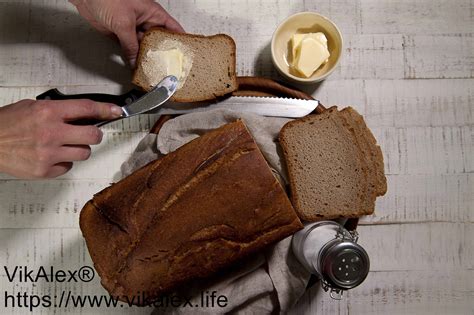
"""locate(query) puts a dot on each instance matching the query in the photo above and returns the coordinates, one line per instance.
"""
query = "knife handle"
(120, 100)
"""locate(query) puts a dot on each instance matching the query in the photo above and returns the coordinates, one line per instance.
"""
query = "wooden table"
(407, 66)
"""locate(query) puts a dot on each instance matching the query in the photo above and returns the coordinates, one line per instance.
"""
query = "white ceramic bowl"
(305, 22)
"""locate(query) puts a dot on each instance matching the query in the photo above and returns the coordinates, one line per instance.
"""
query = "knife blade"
(131, 105)
(264, 106)
(150, 101)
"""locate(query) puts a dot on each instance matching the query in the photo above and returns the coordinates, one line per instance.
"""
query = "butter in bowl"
(306, 47)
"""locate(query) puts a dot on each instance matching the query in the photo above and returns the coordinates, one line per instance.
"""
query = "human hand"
(36, 140)
(127, 19)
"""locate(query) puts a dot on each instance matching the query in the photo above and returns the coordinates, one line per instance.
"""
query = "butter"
(170, 61)
(169, 57)
(297, 38)
(310, 51)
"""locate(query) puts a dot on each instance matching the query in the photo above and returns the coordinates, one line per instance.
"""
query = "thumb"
(129, 41)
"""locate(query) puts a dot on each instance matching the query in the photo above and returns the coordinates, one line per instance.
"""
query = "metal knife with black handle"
(132, 103)
(120, 100)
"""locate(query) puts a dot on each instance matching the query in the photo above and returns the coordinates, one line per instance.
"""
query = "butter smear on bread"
(310, 52)
(172, 58)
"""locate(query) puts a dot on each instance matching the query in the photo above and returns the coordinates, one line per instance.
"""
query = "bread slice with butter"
(205, 65)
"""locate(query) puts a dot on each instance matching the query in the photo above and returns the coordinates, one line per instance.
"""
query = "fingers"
(70, 110)
(160, 17)
(62, 160)
(58, 169)
(173, 25)
(127, 36)
(80, 135)
(167, 21)
(70, 153)
(86, 14)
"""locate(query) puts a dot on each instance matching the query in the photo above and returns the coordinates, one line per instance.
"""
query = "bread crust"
(372, 182)
(374, 151)
(186, 216)
(177, 98)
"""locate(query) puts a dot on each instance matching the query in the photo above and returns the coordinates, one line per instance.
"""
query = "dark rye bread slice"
(325, 168)
(212, 73)
(185, 216)
(370, 149)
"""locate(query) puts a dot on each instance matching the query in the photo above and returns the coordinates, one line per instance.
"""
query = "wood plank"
(401, 292)
(65, 248)
(403, 103)
(416, 17)
(344, 12)
(41, 64)
(10, 95)
(45, 204)
(421, 246)
(371, 57)
(39, 51)
(425, 198)
(23, 21)
(339, 92)
(426, 150)
(439, 56)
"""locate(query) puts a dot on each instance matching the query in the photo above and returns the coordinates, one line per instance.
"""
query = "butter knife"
(131, 106)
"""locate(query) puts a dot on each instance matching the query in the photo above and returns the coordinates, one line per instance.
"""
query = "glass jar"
(329, 251)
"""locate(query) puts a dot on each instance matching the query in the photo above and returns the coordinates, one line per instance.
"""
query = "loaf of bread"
(186, 216)
(334, 165)
(208, 64)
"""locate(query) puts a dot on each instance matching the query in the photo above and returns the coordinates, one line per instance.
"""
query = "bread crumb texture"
(334, 165)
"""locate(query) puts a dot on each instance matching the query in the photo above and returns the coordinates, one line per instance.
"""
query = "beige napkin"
(271, 281)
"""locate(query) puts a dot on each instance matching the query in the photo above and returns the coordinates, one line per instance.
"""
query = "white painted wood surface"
(408, 66)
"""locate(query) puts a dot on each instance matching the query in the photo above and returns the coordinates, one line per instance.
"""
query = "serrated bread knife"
(264, 106)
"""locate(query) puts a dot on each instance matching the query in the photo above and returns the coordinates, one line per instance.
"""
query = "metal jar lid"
(344, 264)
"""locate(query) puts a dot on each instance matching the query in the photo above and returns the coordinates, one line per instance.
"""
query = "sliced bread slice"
(367, 200)
(370, 148)
(208, 64)
(325, 168)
